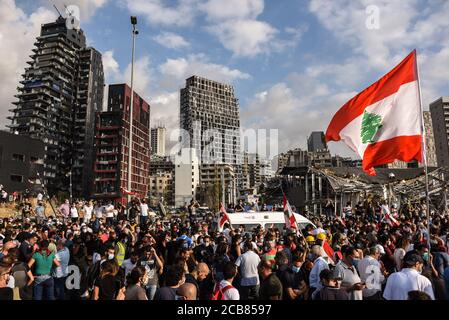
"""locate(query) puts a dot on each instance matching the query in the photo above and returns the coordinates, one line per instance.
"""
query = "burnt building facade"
(61, 90)
(112, 146)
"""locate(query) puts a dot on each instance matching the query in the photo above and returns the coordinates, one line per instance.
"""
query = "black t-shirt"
(328, 293)
(288, 278)
(6, 294)
(25, 252)
(191, 279)
(109, 286)
(270, 287)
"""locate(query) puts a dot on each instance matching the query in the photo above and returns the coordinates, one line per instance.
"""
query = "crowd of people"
(107, 251)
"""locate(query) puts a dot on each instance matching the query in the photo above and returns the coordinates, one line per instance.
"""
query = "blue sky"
(293, 62)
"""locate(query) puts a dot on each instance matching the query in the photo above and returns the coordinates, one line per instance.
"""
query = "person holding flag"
(223, 218)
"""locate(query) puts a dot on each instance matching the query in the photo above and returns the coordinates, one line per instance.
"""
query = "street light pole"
(130, 137)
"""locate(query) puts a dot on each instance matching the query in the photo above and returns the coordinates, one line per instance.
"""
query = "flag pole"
(424, 151)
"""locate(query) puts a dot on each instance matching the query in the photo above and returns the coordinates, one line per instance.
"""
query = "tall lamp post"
(130, 138)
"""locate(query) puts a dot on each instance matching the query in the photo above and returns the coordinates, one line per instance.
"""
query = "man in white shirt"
(248, 263)
(225, 285)
(109, 210)
(143, 213)
(129, 264)
(399, 284)
(319, 264)
(370, 273)
(88, 208)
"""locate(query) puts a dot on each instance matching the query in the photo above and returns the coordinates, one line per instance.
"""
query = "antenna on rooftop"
(59, 12)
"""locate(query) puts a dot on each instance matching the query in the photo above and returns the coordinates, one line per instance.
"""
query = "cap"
(380, 248)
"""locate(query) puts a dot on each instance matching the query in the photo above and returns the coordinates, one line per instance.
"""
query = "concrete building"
(162, 177)
(60, 92)
(187, 177)
(432, 160)
(161, 188)
(316, 141)
(21, 162)
(112, 146)
(158, 141)
(439, 110)
(211, 175)
(210, 114)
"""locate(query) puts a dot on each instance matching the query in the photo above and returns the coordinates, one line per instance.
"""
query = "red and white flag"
(383, 122)
(290, 220)
(126, 191)
(391, 220)
(329, 252)
(223, 218)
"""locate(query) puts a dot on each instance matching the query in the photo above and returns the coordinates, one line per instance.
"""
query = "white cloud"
(156, 12)
(110, 66)
(232, 9)
(18, 32)
(174, 71)
(404, 25)
(246, 38)
(171, 40)
(294, 110)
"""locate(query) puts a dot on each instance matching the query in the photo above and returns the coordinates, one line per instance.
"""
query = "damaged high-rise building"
(61, 91)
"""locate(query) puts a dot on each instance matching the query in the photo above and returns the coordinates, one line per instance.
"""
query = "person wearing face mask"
(293, 286)
(136, 283)
(347, 272)
(399, 284)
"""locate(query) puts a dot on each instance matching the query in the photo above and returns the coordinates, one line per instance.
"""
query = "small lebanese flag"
(126, 191)
(329, 252)
(389, 217)
(383, 122)
(224, 217)
(290, 220)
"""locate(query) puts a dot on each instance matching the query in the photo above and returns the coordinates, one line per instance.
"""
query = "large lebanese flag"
(383, 122)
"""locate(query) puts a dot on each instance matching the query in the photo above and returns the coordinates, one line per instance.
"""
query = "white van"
(265, 219)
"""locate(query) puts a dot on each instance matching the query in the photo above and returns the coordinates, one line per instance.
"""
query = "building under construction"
(112, 146)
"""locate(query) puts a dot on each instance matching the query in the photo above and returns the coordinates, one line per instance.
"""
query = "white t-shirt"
(144, 210)
(248, 263)
(398, 255)
(128, 266)
(369, 270)
(231, 293)
(88, 211)
(99, 212)
(110, 211)
(399, 284)
(39, 196)
(74, 212)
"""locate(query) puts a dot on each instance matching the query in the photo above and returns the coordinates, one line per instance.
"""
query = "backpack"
(218, 293)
